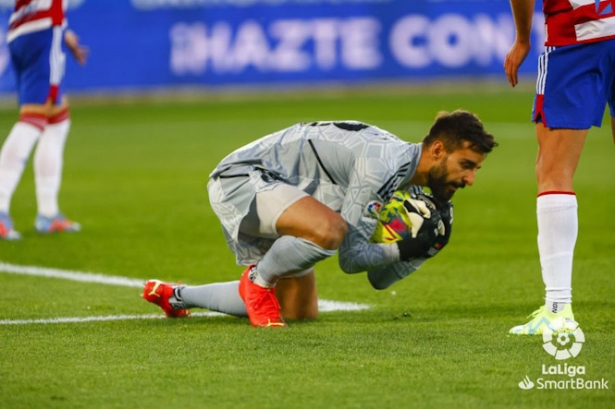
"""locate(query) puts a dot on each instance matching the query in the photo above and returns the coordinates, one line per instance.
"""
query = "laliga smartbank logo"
(563, 345)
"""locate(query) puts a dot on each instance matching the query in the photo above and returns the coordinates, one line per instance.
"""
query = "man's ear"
(437, 150)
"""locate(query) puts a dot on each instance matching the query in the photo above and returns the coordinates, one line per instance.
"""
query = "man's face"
(455, 170)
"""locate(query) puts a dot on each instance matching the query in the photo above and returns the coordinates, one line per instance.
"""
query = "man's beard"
(441, 188)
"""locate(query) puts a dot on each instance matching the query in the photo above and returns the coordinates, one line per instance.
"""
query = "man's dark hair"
(454, 128)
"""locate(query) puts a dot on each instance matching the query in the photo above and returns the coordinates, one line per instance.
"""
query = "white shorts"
(249, 205)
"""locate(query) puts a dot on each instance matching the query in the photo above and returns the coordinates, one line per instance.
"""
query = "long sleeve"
(357, 254)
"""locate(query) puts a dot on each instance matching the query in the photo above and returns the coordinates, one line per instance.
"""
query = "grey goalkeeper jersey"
(347, 165)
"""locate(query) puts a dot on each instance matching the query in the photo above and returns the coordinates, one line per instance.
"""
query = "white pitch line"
(70, 275)
(87, 277)
(71, 320)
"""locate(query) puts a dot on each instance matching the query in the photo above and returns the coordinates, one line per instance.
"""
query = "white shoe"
(542, 318)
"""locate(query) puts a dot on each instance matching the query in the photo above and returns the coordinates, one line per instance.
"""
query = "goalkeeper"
(295, 197)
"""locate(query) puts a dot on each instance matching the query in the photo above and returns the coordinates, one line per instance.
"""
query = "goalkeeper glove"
(444, 231)
(427, 225)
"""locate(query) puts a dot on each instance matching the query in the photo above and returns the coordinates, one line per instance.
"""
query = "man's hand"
(77, 50)
(444, 231)
(424, 234)
(514, 58)
(435, 231)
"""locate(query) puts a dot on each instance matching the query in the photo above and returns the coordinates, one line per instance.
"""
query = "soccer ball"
(395, 222)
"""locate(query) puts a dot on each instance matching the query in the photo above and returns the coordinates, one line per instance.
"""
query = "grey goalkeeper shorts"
(248, 203)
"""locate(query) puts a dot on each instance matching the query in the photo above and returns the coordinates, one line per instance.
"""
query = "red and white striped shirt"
(578, 21)
(35, 15)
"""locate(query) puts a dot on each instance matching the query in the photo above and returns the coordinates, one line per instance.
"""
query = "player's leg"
(49, 155)
(13, 158)
(297, 296)
(308, 232)
(230, 199)
(235, 202)
(48, 163)
(564, 109)
(558, 156)
(30, 59)
(559, 151)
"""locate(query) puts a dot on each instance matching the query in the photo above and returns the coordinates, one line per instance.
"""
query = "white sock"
(13, 159)
(48, 161)
(557, 234)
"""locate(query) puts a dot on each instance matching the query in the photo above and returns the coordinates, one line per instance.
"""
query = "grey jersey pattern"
(344, 164)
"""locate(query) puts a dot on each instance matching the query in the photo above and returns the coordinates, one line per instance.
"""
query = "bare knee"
(313, 221)
(559, 151)
(47, 109)
(330, 232)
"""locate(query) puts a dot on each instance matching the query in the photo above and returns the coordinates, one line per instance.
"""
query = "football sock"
(288, 255)
(556, 307)
(48, 165)
(220, 297)
(557, 235)
(176, 301)
(14, 155)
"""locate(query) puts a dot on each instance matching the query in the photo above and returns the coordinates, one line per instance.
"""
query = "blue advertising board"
(140, 44)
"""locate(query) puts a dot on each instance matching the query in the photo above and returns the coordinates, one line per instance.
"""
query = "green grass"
(135, 177)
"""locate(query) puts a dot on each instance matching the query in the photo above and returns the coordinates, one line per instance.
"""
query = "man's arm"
(357, 253)
(385, 277)
(523, 13)
(381, 261)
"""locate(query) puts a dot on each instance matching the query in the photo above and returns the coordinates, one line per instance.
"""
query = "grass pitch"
(135, 177)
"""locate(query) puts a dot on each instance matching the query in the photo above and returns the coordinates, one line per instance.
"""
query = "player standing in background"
(576, 80)
(37, 36)
(293, 198)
